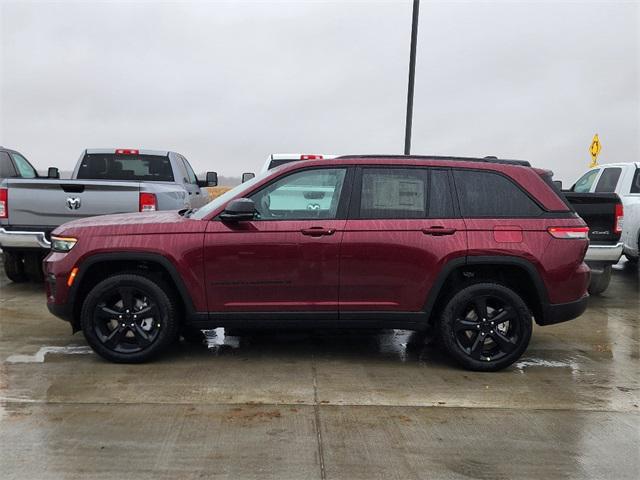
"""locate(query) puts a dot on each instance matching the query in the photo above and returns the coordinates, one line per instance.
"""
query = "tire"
(33, 266)
(600, 281)
(13, 267)
(110, 323)
(482, 345)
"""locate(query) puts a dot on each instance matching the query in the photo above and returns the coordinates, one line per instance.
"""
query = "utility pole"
(412, 74)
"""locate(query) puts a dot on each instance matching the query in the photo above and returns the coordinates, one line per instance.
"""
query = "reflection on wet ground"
(353, 404)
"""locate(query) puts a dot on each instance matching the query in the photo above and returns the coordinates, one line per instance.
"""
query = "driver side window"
(302, 195)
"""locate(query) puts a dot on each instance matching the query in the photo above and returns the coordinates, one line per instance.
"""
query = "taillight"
(127, 151)
(617, 228)
(569, 232)
(4, 203)
(311, 157)
(148, 202)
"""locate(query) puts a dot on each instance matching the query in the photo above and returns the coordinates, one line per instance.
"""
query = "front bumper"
(23, 239)
(563, 312)
(604, 253)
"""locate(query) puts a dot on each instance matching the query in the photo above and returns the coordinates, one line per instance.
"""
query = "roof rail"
(489, 159)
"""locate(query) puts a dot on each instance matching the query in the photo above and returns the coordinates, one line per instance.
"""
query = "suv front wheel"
(129, 318)
(485, 326)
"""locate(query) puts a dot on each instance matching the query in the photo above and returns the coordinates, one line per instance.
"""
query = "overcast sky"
(227, 83)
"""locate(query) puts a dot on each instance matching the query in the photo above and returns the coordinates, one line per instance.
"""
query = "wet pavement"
(324, 405)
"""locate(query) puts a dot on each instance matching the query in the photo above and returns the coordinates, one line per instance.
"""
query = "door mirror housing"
(238, 210)
(558, 183)
(212, 179)
(246, 176)
(53, 172)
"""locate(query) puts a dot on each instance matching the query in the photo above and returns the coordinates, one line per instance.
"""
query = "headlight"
(62, 244)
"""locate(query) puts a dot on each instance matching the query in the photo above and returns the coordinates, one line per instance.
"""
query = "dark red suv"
(476, 248)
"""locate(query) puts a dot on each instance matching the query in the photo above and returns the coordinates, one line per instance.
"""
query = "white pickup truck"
(623, 179)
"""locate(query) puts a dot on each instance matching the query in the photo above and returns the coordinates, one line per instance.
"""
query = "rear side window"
(6, 167)
(393, 193)
(488, 194)
(24, 168)
(608, 180)
(440, 195)
(108, 166)
(635, 184)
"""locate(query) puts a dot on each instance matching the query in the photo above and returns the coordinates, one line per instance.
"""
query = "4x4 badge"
(73, 203)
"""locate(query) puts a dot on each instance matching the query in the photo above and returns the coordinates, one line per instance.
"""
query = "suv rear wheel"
(485, 326)
(129, 318)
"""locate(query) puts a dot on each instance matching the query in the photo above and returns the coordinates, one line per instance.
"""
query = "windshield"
(225, 197)
(109, 166)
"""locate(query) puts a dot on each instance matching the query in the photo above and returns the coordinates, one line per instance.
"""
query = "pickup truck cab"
(624, 180)
(104, 181)
(477, 249)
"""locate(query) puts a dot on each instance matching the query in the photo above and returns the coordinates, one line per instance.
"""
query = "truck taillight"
(617, 228)
(148, 202)
(4, 203)
(569, 232)
(310, 157)
(127, 151)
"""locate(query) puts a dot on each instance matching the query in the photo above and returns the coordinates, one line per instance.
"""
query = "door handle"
(437, 231)
(317, 231)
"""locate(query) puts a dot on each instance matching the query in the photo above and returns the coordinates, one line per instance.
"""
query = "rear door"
(402, 228)
(286, 259)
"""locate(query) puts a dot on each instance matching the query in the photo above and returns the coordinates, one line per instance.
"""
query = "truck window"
(109, 166)
(6, 167)
(609, 179)
(190, 173)
(25, 169)
(487, 194)
(635, 184)
(583, 185)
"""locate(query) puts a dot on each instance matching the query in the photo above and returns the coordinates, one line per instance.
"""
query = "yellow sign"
(594, 150)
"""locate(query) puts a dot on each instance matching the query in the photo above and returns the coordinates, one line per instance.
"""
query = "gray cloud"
(228, 83)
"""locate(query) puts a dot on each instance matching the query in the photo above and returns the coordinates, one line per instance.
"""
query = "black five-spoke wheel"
(486, 326)
(128, 318)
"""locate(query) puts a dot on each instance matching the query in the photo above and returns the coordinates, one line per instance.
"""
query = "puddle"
(539, 362)
(39, 356)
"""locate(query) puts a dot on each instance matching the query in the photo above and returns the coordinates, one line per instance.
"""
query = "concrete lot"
(335, 406)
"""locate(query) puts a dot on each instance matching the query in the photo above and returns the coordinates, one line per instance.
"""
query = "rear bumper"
(23, 239)
(562, 312)
(604, 253)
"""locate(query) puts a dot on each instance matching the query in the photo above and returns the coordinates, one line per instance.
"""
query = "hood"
(130, 224)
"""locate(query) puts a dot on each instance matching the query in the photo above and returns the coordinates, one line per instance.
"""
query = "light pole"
(412, 74)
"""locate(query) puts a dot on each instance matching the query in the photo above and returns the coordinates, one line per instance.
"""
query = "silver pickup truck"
(104, 181)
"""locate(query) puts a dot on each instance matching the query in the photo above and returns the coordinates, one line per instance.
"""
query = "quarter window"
(487, 194)
(608, 180)
(302, 195)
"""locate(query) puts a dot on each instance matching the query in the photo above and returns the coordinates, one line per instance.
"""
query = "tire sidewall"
(463, 296)
(165, 308)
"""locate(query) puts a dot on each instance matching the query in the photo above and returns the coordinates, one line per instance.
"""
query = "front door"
(286, 259)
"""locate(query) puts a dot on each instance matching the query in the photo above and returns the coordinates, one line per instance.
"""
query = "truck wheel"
(485, 326)
(129, 318)
(33, 266)
(13, 267)
(600, 281)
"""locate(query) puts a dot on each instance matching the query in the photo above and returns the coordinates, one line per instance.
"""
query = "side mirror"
(212, 179)
(53, 172)
(247, 176)
(239, 209)
(558, 183)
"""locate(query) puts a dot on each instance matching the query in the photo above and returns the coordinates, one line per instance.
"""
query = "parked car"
(603, 213)
(104, 181)
(623, 179)
(475, 248)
